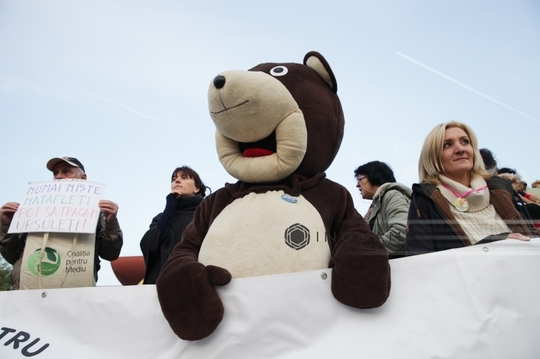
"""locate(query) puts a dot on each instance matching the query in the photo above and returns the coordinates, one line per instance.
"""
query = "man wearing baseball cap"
(109, 237)
(71, 161)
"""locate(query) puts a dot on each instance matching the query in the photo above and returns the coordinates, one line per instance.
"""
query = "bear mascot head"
(278, 128)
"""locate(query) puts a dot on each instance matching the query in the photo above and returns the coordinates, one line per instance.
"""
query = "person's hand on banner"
(7, 211)
(518, 236)
(109, 208)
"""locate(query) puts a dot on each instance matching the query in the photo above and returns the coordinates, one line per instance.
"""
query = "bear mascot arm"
(278, 128)
(359, 262)
(185, 286)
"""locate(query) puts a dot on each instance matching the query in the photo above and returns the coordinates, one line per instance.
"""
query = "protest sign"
(68, 206)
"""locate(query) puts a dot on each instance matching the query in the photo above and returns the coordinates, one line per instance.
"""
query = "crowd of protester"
(462, 198)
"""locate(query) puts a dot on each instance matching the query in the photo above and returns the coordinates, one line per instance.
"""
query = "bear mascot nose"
(219, 81)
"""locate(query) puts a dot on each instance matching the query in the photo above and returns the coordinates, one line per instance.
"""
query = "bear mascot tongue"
(278, 128)
(256, 152)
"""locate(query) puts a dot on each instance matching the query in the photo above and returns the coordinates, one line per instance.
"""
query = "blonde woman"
(458, 203)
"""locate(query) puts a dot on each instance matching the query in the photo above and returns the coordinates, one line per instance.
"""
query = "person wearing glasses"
(387, 214)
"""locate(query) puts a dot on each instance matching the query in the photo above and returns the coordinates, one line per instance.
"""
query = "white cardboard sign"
(68, 206)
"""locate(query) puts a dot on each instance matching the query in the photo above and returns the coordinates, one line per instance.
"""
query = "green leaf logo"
(45, 266)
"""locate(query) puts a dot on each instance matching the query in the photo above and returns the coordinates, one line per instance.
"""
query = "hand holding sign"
(7, 211)
(109, 208)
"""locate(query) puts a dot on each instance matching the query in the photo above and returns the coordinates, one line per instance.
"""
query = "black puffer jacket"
(432, 227)
(165, 232)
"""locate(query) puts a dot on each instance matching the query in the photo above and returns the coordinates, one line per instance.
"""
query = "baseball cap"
(69, 160)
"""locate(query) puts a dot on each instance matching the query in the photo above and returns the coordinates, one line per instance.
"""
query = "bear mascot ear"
(319, 64)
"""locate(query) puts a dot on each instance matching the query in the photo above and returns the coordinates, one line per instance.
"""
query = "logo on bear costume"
(297, 236)
(45, 266)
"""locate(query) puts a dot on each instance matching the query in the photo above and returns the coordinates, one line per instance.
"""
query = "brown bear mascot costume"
(279, 127)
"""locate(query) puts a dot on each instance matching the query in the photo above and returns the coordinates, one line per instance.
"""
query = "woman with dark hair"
(457, 202)
(387, 215)
(187, 192)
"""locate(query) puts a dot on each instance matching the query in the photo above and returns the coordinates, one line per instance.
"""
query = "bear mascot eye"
(279, 71)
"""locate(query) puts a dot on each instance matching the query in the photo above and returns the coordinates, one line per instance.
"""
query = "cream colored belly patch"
(267, 233)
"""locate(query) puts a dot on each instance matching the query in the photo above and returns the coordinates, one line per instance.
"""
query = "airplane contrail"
(82, 90)
(465, 86)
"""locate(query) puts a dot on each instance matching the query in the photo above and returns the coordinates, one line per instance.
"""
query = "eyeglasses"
(360, 178)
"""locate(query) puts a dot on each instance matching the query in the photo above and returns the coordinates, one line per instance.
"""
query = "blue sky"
(121, 85)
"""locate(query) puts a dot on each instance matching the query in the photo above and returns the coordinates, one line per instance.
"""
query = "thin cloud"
(467, 87)
(82, 90)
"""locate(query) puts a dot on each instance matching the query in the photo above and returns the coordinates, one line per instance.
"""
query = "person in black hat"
(66, 167)
(109, 237)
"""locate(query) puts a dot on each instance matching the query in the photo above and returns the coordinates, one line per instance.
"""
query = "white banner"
(475, 302)
(59, 206)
